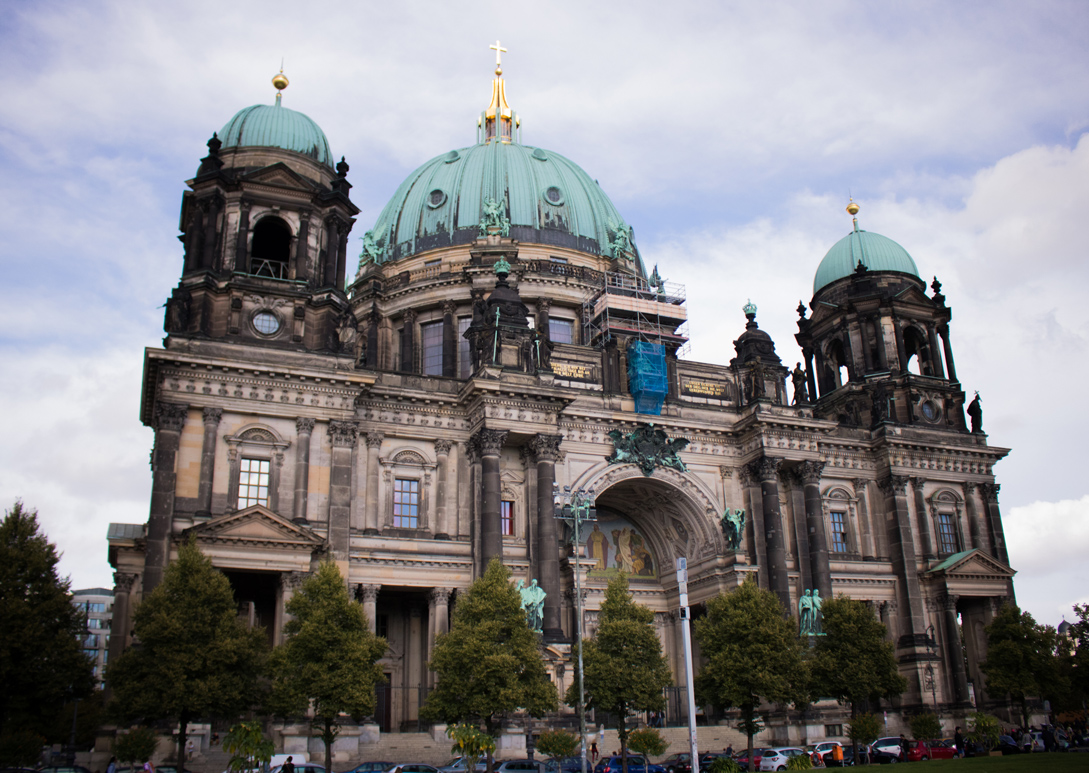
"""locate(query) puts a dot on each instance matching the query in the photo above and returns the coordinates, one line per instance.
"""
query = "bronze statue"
(975, 413)
(801, 391)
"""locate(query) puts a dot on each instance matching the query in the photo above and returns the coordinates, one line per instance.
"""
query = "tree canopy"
(41, 661)
(329, 658)
(753, 653)
(624, 671)
(489, 664)
(1021, 658)
(193, 658)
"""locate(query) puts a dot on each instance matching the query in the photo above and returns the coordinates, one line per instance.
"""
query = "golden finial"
(279, 80)
(852, 210)
(499, 51)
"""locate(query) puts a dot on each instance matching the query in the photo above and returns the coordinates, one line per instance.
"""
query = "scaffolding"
(630, 308)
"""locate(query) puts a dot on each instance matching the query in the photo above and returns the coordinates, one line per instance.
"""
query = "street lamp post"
(575, 508)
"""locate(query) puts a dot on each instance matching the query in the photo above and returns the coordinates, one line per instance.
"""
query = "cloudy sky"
(729, 134)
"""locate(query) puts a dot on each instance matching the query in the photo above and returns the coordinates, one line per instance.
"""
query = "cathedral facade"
(500, 346)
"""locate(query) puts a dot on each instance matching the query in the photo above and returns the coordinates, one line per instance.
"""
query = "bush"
(925, 726)
(984, 729)
(801, 762)
(648, 741)
(470, 742)
(21, 748)
(557, 744)
(137, 745)
(865, 728)
(248, 747)
(724, 765)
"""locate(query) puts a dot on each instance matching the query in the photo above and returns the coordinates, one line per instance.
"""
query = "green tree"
(248, 747)
(984, 729)
(864, 728)
(135, 746)
(193, 658)
(489, 664)
(753, 653)
(1078, 656)
(647, 741)
(329, 659)
(624, 670)
(41, 661)
(470, 743)
(925, 726)
(557, 744)
(1021, 658)
(854, 662)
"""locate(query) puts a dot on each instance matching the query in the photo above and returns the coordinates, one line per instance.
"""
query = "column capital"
(491, 441)
(449, 307)
(374, 439)
(212, 415)
(745, 476)
(292, 580)
(123, 582)
(304, 425)
(409, 316)
(917, 482)
(547, 447)
(725, 471)
(811, 470)
(894, 485)
(766, 468)
(367, 593)
(860, 485)
(440, 596)
(170, 416)
(990, 491)
(970, 488)
(343, 433)
(949, 602)
(443, 446)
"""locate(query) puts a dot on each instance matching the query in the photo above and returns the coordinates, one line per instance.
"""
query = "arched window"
(271, 248)
(917, 352)
(837, 361)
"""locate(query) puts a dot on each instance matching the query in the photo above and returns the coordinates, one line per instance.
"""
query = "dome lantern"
(498, 121)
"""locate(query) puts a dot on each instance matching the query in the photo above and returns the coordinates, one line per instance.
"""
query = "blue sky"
(728, 134)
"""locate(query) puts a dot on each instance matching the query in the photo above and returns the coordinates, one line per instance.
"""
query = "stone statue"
(733, 527)
(815, 613)
(975, 413)
(805, 614)
(371, 253)
(493, 217)
(533, 597)
(801, 391)
(620, 246)
(649, 447)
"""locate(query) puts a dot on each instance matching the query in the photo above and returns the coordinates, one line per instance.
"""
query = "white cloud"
(1048, 543)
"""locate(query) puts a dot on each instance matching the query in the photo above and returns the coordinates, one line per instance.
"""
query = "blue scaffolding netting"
(647, 380)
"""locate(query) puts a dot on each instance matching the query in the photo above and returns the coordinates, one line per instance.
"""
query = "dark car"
(568, 765)
(1007, 745)
(681, 762)
(520, 766)
(637, 763)
(371, 767)
(413, 767)
(63, 769)
(743, 757)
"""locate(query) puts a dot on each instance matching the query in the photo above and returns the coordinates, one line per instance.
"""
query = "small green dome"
(874, 251)
(546, 198)
(273, 126)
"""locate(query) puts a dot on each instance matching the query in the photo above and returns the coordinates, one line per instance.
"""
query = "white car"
(824, 749)
(777, 758)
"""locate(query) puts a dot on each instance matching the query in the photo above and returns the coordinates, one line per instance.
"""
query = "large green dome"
(273, 126)
(874, 251)
(547, 198)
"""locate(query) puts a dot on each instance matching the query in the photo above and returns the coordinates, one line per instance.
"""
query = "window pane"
(947, 534)
(406, 503)
(431, 333)
(253, 481)
(465, 361)
(839, 533)
(561, 331)
(506, 514)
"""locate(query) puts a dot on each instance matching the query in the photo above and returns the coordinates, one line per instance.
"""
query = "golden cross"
(499, 51)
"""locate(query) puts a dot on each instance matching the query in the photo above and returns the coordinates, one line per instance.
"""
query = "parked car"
(743, 757)
(458, 765)
(1007, 744)
(63, 769)
(890, 744)
(413, 767)
(681, 762)
(568, 765)
(371, 767)
(864, 754)
(777, 758)
(520, 766)
(637, 763)
(301, 767)
(824, 749)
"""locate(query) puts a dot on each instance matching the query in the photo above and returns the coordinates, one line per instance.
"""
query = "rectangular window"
(561, 331)
(465, 360)
(506, 515)
(436, 263)
(839, 533)
(947, 533)
(406, 503)
(382, 626)
(431, 333)
(253, 483)
(554, 259)
(832, 731)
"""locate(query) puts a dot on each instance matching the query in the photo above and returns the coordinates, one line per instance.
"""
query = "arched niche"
(270, 250)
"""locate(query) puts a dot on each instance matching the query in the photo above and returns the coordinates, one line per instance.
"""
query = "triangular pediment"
(256, 525)
(971, 563)
(280, 175)
(914, 295)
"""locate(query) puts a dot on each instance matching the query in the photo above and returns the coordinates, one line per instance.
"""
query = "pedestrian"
(593, 752)
(730, 750)
(958, 741)
(189, 750)
(288, 766)
(818, 760)
(148, 767)
(112, 766)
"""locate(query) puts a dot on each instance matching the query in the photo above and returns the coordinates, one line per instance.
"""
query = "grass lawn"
(1013, 763)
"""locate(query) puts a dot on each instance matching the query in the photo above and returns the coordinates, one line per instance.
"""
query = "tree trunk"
(622, 732)
(183, 731)
(327, 739)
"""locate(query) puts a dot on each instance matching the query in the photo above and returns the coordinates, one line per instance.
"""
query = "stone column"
(994, 522)
(438, 622)
(766, 471)
(169, 420)
(491, 527)
(304, 427)
(342, 254)
(935, 352)
(302, 247)
(547, 449)
(442, 525)
(241, 248)
(373, 322)
(868, 546)
(902, 549)
(943, 331)
(449, 340)
(814, 521)
(332, 249)
(954, 660)
(121, 624)
(809, 375)
(289, 584)
(371, 517)
(208, 253)
(926, 532)
(972, 513)
(408, 339)
(369, 596)
(879, 343)
(414, 662)
(212, 417)
(901, 348)
(342, 435)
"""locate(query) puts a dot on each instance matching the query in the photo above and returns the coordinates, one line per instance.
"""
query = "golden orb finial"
(279, 80)
(852, 208)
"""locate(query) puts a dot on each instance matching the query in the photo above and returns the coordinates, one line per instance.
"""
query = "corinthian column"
(370, 517)
(169, 420)
(342, 434)
(442, 453)
(814, 521)
(491, 527)
(304, 427)
(212, 417)
(766, 470)
(547, 449)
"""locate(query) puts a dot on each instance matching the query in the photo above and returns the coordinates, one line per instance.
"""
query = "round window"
(266, 323)
(930, 411)
(554, 195)
(436, 198)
